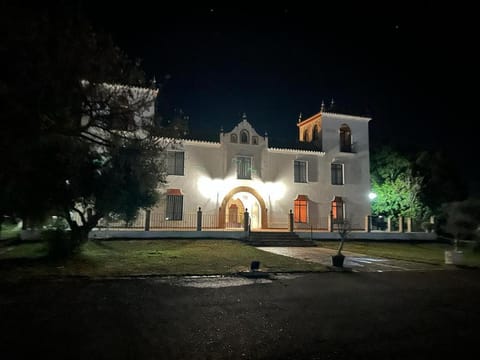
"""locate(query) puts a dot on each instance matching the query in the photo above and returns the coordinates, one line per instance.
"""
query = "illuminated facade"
(326, 172)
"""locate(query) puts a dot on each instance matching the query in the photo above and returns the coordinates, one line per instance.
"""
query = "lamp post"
(369, 222)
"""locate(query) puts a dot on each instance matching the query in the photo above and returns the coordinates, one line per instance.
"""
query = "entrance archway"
(262, 212)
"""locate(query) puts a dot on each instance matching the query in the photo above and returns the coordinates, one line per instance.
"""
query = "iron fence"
(211, 221)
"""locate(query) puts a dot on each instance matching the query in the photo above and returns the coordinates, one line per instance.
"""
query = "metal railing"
(198, 220)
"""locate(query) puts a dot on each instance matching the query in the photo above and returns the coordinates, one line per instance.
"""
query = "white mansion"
(327, 173)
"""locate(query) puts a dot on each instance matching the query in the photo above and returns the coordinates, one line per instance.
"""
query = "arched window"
(345, 139)
(315, 133)
(300, 209)
(305, 136)
(244, 137)
(233, 138)
(337, 209)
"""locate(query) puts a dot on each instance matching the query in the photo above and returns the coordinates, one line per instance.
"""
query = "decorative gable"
(243, 134)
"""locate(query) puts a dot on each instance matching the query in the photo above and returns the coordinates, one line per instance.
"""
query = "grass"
(431, 253)
(9, 231)
(23, 260)
(145, 257)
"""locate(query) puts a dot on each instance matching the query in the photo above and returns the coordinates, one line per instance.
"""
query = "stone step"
(281, 243)
(277, 239)
(273, 235)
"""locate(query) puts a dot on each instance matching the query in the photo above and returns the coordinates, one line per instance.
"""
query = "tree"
(442, 180)
(344, 229)
(462, 219)
(397, 185)
(72, 145)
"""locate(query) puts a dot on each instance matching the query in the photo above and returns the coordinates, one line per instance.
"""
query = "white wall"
(210, 173)
(356, 164)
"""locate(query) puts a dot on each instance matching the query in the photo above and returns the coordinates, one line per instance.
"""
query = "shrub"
(428, 226)
(56, 223)
(476, 246)
(59, 243)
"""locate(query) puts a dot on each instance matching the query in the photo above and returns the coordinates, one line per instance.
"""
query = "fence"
(399, 224)
(199, 220)
(138, 223)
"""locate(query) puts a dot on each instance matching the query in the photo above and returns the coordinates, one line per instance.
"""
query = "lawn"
(9, 231)
(431, 253)
(145, 257)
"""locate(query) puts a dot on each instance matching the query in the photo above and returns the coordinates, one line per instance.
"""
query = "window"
(337, 174)
(233, 138)
(244, 167)
(255, 140)
(300, 171)
(300, 209)
(305, 135)
(337, 209)
(345, 139)
(175, 162)
(174, 209)
(244, 138)
(315, 133)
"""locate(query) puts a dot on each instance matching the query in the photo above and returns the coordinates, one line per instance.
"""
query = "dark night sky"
(405, 64)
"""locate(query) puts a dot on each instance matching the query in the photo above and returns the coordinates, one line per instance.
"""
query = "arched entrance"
(235, 203)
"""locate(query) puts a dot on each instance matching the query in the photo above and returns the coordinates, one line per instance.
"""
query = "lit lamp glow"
(372, 195)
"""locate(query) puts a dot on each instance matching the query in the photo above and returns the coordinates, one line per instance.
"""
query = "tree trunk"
(79, 233)
(340, 247)
(78, 237)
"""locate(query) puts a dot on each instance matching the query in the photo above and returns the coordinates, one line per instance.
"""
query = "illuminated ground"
(353, 261)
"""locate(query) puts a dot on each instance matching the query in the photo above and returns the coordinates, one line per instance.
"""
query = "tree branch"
(82, 216)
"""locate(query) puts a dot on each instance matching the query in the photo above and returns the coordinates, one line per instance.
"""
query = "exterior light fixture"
(255, 265)
(372, 195)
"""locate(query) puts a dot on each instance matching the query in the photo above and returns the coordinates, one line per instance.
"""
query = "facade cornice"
(289, 151)
(351, 117)
(124, 86)
(200, 142)
(332, 114)
(310, 119)
(189, 141)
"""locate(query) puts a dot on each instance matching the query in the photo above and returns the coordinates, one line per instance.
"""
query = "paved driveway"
(355, 262)
(395, 315)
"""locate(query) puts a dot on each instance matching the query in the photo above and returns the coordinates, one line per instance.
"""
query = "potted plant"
(343, 229)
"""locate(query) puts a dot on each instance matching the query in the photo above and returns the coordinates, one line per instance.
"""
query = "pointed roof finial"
(300, 117)
(153, 83)
(244, 117)
(322, 107)
(332, 104)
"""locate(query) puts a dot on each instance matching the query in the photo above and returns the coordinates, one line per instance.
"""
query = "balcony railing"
(348, 148)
